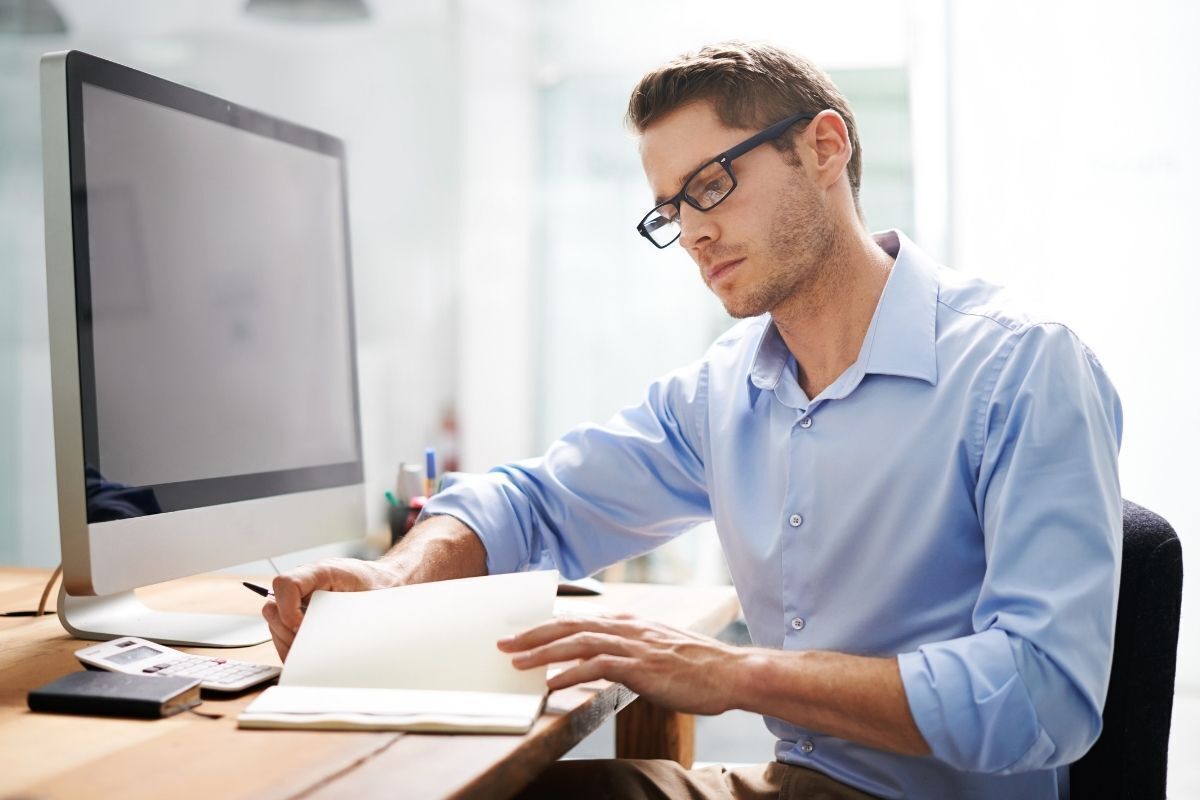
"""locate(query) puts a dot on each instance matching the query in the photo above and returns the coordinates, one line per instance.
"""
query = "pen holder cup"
(402, 518)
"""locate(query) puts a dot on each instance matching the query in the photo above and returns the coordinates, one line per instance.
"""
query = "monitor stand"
(106, 617)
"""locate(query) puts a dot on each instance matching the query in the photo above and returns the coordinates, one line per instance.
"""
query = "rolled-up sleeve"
(1026, 690)
(601, 494)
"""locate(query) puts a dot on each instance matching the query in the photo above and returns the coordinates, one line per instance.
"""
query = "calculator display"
(136, 654)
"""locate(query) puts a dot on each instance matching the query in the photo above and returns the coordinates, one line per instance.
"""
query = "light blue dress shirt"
(951, 499)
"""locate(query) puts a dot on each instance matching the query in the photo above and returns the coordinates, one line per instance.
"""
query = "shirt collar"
(901, 338)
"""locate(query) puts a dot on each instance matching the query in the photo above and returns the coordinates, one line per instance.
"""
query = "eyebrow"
(660, 199)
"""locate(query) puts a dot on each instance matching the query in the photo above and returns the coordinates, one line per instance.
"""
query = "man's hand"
(675, 669)
(437, 549)
(284, 613)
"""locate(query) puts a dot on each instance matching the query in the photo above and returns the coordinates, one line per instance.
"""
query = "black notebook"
(115, 694)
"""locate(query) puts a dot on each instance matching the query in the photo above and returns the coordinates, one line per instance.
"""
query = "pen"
(430, 470)
(254, 587)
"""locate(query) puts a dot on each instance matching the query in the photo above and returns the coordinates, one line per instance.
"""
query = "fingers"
(286, 611)
(281, 635)
(578, 645)
(293, 588)
(612, 668)
(623, 626)
(673, 668)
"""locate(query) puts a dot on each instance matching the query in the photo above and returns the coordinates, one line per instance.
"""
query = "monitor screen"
(218, 331)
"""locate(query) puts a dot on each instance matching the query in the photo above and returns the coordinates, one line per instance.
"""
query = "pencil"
(260, 590)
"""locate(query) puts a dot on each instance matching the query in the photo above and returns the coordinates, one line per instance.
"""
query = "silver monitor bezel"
(102, 558)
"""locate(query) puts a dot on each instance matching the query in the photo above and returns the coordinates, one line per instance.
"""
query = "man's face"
(771, 236)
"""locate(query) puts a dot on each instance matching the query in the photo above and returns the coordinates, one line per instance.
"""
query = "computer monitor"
(202, 349)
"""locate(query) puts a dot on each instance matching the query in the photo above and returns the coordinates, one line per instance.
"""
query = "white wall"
(497, 208)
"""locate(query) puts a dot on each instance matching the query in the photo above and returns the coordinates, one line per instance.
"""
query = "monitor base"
(104, 617)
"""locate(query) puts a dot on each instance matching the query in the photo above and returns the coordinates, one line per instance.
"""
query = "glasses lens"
(662, 224)
(709, 186)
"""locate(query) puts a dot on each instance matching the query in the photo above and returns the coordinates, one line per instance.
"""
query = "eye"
(710, 186)
(713, 190)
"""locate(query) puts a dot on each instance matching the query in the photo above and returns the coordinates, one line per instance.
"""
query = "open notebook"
(412, 658)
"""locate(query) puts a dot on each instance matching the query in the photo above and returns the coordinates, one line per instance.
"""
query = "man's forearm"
(851, 697)
(437, 549)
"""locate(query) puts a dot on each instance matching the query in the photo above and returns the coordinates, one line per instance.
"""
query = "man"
(915, 486)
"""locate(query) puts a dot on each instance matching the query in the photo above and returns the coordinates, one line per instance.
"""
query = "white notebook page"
(429, 636)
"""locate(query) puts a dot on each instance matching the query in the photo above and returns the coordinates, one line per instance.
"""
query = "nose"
(696, 228)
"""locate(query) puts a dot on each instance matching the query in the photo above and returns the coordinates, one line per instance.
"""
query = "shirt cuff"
(480, 503)
(971, 705)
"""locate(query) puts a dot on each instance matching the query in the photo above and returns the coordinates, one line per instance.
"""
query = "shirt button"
(795, 520)
(807, 746)
(798, 623)
(806, 422)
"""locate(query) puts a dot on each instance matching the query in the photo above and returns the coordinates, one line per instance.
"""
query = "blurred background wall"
(502, 293)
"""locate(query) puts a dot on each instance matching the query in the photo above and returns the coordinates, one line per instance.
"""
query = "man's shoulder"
(975, 301)
(966, 301)
(993, 322)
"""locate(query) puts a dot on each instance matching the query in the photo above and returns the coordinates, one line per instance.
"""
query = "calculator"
(135, 656)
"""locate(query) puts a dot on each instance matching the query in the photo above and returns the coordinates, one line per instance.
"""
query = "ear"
(829, 141)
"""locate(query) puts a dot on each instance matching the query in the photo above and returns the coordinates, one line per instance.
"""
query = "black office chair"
(1129, 760)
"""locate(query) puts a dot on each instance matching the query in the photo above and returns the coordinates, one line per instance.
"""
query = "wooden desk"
(61, 756)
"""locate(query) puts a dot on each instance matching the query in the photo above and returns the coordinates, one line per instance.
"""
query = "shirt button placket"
(798, 624)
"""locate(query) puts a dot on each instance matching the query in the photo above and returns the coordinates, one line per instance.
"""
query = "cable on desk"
(49, 585)
(41, 609)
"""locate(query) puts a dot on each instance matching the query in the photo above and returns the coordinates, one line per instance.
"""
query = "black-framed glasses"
(707, 187)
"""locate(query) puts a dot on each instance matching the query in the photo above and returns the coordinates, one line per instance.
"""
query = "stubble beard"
(800, 252)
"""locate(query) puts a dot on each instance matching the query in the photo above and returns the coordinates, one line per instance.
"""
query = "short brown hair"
(750, 86)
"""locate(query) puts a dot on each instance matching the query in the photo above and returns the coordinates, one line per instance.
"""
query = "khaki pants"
(637, 779)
